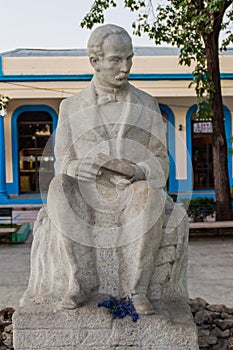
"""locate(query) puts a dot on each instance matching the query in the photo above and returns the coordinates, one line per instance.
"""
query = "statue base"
(90, 327)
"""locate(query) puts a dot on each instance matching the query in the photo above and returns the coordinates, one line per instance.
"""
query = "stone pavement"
(14, 263)
(210, 268)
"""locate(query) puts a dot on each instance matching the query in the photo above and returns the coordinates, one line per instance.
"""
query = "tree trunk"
(220, 161)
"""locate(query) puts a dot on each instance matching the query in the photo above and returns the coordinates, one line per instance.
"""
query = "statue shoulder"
(68, 104)
(148, 100)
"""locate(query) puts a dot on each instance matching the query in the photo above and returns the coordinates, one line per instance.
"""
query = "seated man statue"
(106, 203)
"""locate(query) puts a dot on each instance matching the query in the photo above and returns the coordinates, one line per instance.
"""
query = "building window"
(34, 131)
(202, 153)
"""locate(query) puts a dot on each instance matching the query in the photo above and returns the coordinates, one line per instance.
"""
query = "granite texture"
(89, 327)
(109, 227)
(169, 277)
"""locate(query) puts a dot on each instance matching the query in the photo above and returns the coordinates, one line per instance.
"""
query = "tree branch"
(227, 4)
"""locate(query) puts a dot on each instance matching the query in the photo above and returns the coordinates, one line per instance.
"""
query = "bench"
(211, 225)
(6, 216)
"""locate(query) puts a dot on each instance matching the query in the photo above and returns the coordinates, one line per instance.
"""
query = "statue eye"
(115, 59)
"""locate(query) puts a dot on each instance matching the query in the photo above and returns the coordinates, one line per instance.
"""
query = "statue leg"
(75, 295)
(65, 206)
(136, 259)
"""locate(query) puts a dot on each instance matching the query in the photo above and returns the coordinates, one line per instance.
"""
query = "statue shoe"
(142, 305)
(73, 299)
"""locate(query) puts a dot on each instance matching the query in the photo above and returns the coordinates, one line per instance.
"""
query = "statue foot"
(142, 305)
(73, 299)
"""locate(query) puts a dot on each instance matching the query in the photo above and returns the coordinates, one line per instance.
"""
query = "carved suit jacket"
(139, 135)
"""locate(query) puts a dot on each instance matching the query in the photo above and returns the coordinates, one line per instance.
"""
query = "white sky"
(54, 24)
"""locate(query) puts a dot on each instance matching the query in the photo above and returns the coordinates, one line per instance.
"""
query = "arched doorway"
(34, 130)
(199, 146)
(32, 127)
(202, 153)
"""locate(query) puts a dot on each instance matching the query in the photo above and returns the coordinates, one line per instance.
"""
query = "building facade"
(36, 82)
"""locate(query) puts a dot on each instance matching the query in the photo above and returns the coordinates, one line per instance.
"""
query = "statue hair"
(98, 36)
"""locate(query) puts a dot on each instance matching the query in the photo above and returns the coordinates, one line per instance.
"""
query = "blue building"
(36, 82)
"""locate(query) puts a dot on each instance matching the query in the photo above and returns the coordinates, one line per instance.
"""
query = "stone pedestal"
(38, 326)
(90, 327)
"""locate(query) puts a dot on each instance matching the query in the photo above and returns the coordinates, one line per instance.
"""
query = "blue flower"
(120, 308)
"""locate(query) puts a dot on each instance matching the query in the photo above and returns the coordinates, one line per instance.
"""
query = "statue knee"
(140, 188)
(140, 185)
(56, 187)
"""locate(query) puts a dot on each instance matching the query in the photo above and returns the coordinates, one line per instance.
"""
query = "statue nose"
(125, 66)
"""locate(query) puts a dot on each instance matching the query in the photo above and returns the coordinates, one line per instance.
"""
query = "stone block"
(169, 237)
(166, 255)
(89, 327)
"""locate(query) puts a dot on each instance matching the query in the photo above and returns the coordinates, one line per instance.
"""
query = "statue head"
(110, 52)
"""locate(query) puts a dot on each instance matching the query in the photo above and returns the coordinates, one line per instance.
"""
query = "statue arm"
(156, 165)
(64, 150)
(69, 148)
(158, 146)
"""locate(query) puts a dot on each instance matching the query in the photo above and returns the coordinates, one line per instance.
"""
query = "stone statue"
(109, 226)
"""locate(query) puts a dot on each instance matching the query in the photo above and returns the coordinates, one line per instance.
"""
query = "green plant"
(199, 208)
(3, 101)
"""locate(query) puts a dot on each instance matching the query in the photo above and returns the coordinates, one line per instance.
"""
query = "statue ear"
(94, 62)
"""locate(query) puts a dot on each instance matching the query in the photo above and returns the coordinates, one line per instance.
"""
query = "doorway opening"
(34, 133)
(202, 153)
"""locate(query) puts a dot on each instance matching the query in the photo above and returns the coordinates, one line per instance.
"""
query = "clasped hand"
(85, 170)
(89, 168)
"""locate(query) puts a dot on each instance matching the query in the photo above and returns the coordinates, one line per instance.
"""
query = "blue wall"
(183, 187)
(174, 185)
(13, 188)
(172, 182)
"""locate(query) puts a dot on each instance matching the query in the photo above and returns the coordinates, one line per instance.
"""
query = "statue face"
(114, 67)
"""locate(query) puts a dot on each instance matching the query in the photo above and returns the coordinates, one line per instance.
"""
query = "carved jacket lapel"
(132, 113)
(90, 111)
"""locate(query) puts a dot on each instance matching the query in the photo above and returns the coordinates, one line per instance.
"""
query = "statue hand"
(120, 184)
(138, 175)
(72, 169)
(88, 169)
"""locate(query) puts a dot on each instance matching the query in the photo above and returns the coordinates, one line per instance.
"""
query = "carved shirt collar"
(106, 94)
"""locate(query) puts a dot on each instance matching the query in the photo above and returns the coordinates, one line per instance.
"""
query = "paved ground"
(14, 264)
(210, 268)
(210, 272)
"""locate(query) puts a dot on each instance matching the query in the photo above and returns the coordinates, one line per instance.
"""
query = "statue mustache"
(121, 76)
